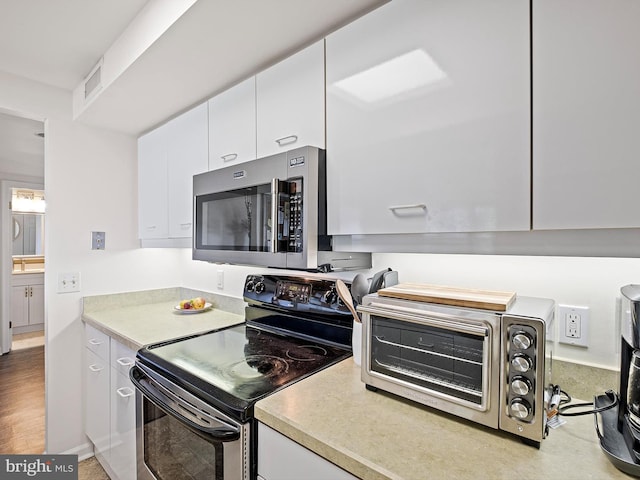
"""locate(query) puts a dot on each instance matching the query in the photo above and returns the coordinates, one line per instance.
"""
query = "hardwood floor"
(22, 401)
(22, 422)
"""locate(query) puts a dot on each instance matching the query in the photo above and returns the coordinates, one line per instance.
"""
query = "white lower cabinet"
(110, 415)
(280, 458)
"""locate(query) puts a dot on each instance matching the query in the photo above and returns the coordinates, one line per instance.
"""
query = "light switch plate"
(97, 240)
(68, 282)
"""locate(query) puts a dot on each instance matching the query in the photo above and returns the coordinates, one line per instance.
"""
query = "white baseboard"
(83, 451)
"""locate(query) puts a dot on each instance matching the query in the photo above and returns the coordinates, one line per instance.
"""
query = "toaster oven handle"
(275, 197)
(436, 319)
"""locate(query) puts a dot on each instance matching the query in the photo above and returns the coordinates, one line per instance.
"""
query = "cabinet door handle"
(95, 368)
(412, 206)
(26, 292)
(31, 291)
(125, 392)
(125, 361)
(184, 225)
(229, 157)
(287, 140)
(150, 227)
(95, 342)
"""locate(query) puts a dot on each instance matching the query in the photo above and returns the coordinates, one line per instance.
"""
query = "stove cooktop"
(233, 368)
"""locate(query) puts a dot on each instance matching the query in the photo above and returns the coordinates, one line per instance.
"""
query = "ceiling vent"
(93, 81)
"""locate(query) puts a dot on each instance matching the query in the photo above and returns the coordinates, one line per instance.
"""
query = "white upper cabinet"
(168, 157)
(232, 125)
(428, 119)
(586, 114)
(153, 221)
(187, 155)
(291, 103)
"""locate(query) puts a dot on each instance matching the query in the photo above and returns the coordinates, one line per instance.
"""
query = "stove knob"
(522, 340)
(521, 363)
(250, 286)
(520, 385)
(520, 408)
(259, 288)
(330, 296)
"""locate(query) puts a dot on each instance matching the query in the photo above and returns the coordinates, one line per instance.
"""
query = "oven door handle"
(222, 434)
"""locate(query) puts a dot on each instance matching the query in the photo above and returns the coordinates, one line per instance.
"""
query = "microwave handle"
(275, 197)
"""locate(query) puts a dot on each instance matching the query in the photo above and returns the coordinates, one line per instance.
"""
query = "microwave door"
(236, 226)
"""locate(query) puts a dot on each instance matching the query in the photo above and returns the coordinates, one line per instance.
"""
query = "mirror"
(28, 234)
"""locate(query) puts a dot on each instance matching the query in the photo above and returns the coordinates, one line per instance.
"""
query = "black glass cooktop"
(234, 367)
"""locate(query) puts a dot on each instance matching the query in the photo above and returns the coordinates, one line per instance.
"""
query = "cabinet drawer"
(97, 342)
(122, 357)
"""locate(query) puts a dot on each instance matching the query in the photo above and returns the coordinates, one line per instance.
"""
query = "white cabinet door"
(586, 114)
(291, 102)
(19, 306)
(36, 304)
(280, 458)
(187, 155)
(123, 426)
(153, 221)
(232, 125)
(97, 425)
(428, 114)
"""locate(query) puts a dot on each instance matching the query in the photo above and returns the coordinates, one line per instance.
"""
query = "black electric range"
(294, 326)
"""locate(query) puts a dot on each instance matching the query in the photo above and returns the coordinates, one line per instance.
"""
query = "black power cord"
(565, 398)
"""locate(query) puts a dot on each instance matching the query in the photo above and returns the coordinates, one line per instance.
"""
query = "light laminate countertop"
(152, 317)
(375, 435)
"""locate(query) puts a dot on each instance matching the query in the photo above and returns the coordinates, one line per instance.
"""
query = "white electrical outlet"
(573, 325)
(68, 282)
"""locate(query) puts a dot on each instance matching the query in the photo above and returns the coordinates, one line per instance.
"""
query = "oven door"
(446, 358)
(180, 437)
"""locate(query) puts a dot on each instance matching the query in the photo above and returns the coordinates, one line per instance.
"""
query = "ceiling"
(215, 44)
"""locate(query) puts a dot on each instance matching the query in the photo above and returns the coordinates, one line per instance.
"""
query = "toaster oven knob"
(520, 386)
(521, 363)
(250, 286)
(521, 341)
(520, 408)
(259, 288)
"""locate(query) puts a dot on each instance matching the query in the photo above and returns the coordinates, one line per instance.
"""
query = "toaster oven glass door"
(452, 360)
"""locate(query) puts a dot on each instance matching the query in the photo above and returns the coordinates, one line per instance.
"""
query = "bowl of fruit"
(193, 305)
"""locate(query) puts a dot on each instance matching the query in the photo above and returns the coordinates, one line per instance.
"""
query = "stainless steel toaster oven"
(489, 367)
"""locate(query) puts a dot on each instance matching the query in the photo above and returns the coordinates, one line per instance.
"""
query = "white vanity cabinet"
(428, 119)
(27, 302)
(168, 157)
(110, 416)
(232, 125)
(291, 102)
(280, 458)
(586, 114)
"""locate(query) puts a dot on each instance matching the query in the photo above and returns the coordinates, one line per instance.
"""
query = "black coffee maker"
(619, 429)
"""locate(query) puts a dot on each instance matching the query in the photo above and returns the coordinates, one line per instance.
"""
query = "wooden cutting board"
(460, 297)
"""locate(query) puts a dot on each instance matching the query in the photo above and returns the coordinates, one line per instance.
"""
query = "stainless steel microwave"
(270, 212)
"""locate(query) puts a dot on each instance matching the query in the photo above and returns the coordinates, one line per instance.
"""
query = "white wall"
(578, 281)
(590, 282)
(90, 184)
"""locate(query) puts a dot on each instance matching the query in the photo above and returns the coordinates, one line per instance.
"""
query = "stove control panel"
(294, 293)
